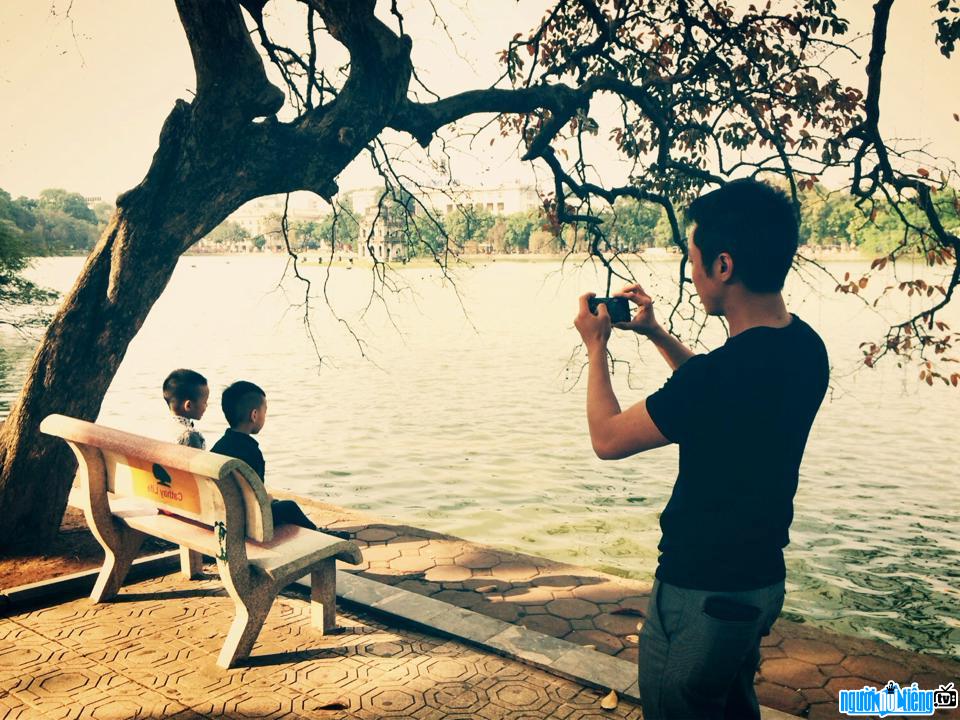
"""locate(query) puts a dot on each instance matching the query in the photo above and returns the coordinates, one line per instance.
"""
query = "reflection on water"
(468, 425)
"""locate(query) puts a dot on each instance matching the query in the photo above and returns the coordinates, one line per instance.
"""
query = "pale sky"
(85, 112)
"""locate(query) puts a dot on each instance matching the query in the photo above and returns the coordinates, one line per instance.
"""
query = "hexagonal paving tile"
(448, 573)
(448, 669)
(567, 582)
(547, 624)
(381, 553)
(64, 684)
(603, 592)
(835, 685)
(415, 564)
(792, 673)
(529, 595)
(812, 651)
(780, 698)
(392, 701)
(619, 625)
(517, 696)
(376, 534)
(513, 571)
(14, 658)
(448, 549)
(260, 706)
(508, 612)
(875, 668)
(474, 559)
(572, 608)
(456, 697)
(772, 639)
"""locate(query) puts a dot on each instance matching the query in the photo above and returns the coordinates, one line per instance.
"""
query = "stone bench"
(132, 486)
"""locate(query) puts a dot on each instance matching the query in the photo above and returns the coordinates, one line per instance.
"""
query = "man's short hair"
(239, 400)
(182, 385)
(755, 223)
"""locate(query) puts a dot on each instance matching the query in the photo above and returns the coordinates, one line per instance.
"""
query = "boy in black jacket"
(245, 407)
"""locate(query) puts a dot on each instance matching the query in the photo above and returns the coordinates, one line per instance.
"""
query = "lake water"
(463, 415)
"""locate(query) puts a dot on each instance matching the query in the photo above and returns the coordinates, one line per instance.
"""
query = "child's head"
(245, 407)
(186, 393)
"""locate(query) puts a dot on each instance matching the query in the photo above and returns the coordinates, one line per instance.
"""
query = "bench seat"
(292, 549)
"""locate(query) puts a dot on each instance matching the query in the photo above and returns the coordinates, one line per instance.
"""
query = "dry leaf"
(486, 588)
(609, 702)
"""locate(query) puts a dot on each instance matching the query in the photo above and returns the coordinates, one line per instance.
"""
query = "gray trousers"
(700, 649)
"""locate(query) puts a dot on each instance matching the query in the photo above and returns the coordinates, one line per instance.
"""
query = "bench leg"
(191, 563)
(250, 616)
(116, 564)
(323, 597)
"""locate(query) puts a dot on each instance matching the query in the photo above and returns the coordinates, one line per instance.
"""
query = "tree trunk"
(212, 157)
(77, 360)
(177, 203)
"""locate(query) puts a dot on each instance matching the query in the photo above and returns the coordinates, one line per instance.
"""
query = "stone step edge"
(74, 585)
(553, 655)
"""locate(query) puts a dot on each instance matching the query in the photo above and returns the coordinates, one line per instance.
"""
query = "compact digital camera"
(618, 307)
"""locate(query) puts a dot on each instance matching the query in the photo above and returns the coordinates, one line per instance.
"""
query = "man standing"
(741, 415)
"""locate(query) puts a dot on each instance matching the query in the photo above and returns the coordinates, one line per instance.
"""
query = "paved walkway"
(802, 670)
(151, 654)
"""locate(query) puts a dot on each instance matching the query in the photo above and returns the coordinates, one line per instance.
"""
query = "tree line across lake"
(59, 222)
(828, 219)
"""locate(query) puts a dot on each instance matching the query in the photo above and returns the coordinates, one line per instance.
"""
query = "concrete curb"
(68, 587)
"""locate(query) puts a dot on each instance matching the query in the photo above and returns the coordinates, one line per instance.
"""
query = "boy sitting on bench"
(245, 407)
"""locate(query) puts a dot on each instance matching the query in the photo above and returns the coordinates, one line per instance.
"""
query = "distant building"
(304, 207)
(381, 231)
(500, 200)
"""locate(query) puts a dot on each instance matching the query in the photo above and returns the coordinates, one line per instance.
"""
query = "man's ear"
(726, 264)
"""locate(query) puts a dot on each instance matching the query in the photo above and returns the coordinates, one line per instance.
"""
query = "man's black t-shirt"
(243, 447)
(741, 415)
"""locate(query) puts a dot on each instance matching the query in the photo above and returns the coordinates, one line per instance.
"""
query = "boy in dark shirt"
(741, 415)
(245, 407)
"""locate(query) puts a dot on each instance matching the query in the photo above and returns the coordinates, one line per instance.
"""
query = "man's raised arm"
(613, 434)
(645, 323)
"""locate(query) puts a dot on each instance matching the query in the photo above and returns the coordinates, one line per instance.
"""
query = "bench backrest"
(202, 486)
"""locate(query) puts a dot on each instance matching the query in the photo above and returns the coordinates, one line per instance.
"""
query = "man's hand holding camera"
(594, 327)
(643, 322)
